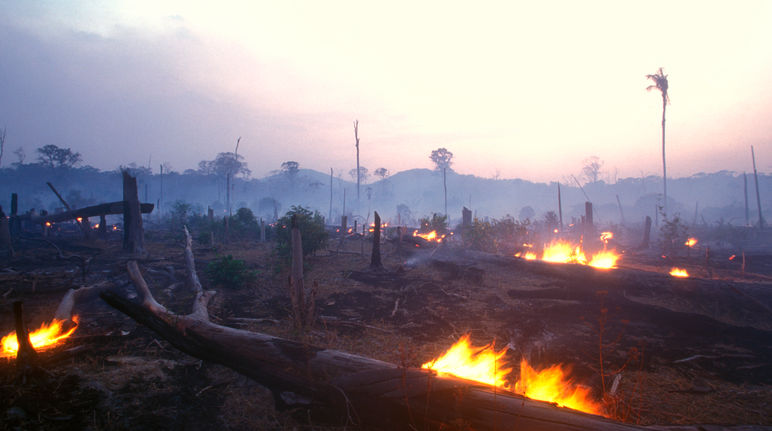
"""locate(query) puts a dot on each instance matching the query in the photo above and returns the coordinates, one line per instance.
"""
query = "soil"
(696, 350)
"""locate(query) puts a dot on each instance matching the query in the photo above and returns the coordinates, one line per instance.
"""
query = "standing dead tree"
(133, 233)
(375, 260)
(302, 298)
(356, 139)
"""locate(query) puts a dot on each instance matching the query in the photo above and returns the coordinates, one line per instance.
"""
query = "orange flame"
(431, 236)
(605, 259)
(605, 236)
(553, 385)
(485, 365)
(679, 272)
(474, 363)
(691, 242)
(560, 251)
(45, 337)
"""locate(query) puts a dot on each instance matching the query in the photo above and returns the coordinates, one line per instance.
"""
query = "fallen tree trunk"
(342, 388)
(92, 211)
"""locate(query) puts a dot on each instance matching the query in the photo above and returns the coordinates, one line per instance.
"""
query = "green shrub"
(229, 272)
(312, 231)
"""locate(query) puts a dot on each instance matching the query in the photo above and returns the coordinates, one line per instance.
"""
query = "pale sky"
(525, 89)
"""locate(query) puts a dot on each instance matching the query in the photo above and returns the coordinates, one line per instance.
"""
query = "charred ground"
(697, 350)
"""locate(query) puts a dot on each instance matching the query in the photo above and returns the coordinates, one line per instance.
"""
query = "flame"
(46, 336)
(691, 242)
(480, 364)
(605, 259)
(553, 385)
(732, 257)
(605, 236)
(563, 252)
(48, 224)
(431, 236)
(560, 251)
(679, 272)
(485, 365)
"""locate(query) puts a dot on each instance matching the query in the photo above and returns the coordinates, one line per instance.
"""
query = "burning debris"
(679, 272)
(486, 365)
(562, 251)
(47, 336)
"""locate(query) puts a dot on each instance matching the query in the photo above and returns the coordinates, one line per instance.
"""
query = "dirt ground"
(687, 351)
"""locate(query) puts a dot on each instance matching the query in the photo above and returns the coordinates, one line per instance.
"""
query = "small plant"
(229, 272)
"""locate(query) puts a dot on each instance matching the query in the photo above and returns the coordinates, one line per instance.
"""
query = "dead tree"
(762, 223)
(343, 388)
(646, 233)
(302, 301)
(5, 234)
(133, 233)
(466, 216)
(375, 260)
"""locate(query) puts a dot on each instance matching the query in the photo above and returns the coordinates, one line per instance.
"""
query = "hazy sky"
(525, 89)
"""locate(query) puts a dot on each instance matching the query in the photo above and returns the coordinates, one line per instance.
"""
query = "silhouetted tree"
(591, 169)
(363, 174)
(442, 159)
(661, 84)
(381, 172)
(54, 157)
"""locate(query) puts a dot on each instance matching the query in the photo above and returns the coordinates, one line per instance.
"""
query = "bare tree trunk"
(646, 233)
(330, 214)
(762, 223)
(133, 233)
(747, 208)
(26, 356)
(356, 137)
(302, 300)
(445, 188)
(621, 213)
(375, 261)
(560, 209)
(664, 166)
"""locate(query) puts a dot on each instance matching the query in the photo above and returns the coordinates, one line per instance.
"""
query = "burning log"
(343, 388)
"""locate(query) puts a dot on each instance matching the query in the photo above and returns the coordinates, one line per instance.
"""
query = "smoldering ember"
(209, 300)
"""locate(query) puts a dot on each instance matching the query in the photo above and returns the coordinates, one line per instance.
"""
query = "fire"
(485, 365)
(46, 336)
(679, 272)
(431, 236)
(553, 385)
(480, 364)
(529, 255)
(565, 252)
(605, 236)
(604, 259)
(691, 242)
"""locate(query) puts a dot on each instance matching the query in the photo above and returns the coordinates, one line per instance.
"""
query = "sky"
(513, 89)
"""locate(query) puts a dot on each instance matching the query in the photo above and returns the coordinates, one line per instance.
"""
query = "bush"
(673, 235)
(312, 231)
(479, 236)
(229, 272)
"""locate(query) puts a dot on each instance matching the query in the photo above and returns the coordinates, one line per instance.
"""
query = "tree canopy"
(442, 158)
(52, 156)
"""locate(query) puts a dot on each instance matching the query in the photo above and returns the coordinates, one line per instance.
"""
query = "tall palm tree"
(660, 83)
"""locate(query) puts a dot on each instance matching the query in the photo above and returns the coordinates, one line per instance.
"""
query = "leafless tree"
(591, 168)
